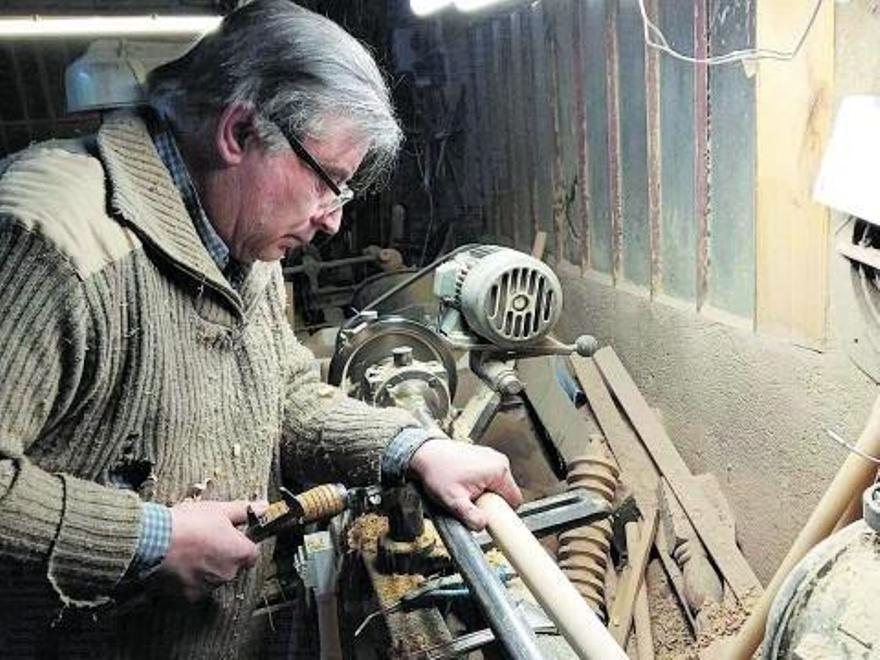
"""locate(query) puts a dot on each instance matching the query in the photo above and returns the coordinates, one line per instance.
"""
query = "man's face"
(281, 201)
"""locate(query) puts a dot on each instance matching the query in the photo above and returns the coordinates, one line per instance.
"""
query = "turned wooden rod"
(563, 604)
(854, 476)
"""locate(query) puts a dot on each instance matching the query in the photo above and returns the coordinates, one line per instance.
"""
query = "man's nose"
(329, 222)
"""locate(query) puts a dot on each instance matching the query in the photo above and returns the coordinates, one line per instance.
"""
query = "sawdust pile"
(722, 622)
(390, 588)
(672, 635)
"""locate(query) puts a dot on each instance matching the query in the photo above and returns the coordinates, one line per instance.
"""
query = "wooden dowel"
(563, 604)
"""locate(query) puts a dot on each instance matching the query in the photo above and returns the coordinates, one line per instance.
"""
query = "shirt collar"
(169, 152)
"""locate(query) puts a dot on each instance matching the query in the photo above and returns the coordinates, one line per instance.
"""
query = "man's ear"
(235, 129)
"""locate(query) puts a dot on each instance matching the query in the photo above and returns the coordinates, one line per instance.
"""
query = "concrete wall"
(751, 409)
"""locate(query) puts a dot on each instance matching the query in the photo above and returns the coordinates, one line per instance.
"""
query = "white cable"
(853, 449)
(654, 38)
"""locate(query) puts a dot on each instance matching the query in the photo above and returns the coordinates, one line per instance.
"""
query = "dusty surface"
(673, 639)
(750, 409)
(672, 636)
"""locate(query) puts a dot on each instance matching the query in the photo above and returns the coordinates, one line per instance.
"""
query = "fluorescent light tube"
(427, 7)
(97, 26)
(476, 5)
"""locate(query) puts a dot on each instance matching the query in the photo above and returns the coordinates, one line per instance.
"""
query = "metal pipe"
(511, 630)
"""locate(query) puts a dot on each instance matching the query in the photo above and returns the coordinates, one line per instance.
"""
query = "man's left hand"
(456, 473)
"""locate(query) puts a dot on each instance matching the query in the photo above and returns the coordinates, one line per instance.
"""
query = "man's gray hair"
(296, 69)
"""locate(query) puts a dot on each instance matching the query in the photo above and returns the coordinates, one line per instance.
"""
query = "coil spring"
(583, 551)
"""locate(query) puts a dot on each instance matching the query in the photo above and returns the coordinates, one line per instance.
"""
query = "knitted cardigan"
(130, 370)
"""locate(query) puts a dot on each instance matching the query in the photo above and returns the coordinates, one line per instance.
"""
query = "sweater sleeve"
(326, 435)
(81, 533)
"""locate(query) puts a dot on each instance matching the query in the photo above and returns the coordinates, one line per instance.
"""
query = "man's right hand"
(206, 549)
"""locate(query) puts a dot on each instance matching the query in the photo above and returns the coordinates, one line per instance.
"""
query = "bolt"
(402, 356)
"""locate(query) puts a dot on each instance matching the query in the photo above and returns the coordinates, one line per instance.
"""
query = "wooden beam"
(701, 148)
(583, 169)
(554, 99)
(652, 110)
(730, 561)
(614, 184)
(792, 230)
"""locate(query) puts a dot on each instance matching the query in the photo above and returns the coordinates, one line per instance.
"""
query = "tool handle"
(575, 620)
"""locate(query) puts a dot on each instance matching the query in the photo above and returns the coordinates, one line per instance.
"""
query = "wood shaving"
(366, 531)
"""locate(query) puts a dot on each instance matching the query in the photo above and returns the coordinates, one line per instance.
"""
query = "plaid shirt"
(235, 271)
(155, 528)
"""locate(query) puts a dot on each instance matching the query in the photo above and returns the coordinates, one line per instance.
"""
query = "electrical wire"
(654, 38)
(408, 281)
(855, 450)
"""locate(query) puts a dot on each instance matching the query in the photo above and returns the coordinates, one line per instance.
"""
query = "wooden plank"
(642, 624)
(614, 175)
(543, 121)
(527, 105)
(503, 133)
(564, 19)
(474, 164)
(556, 100)
(792, 230)
(519, 136)
(701, 148)
(732, 163)
(635, 228)
(652, 109)
(733, 566)
(621, 615)
(484, 107)
(583, 169)
(637, 469)
(498, 136)
(678, 251)
(596, 90)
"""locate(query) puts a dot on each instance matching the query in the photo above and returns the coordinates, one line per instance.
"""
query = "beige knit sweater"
(125, 354)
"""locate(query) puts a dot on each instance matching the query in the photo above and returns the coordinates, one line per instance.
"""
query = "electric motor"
(508, 298)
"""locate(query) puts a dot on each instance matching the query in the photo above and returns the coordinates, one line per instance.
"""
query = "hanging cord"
(655, 39)
(855, 450)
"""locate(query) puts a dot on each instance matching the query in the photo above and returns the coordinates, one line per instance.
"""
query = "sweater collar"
(142, 191)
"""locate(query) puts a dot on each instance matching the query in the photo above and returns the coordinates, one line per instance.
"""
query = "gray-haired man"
(145, 353)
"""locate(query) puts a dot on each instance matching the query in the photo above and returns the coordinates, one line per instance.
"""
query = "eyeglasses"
(343, 194)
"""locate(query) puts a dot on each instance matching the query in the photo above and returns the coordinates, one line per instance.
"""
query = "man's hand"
(206, 549)
(456, 473)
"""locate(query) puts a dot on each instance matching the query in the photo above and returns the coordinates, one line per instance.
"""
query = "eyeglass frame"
(343, 193)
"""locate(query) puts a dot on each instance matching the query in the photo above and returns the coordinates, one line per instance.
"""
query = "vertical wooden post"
(792, 230)
(613, 137)
(701, 148)
(652, 107)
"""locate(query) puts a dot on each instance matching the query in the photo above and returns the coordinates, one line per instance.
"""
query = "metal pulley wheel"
(371, 342)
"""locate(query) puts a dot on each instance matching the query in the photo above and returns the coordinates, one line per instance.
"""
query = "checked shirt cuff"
(399, 452)
(154, 540)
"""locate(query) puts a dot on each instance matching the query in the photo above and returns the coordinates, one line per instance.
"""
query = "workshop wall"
(677, 200)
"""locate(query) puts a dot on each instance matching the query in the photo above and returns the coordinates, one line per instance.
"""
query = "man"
(150, 383)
